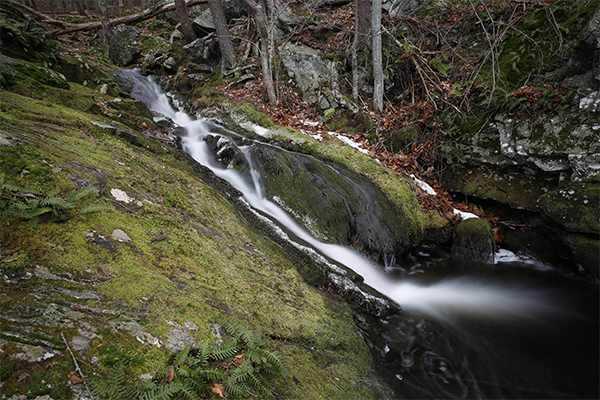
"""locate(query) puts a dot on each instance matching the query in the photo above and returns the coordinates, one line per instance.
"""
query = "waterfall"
(517, 329)
(456, 295)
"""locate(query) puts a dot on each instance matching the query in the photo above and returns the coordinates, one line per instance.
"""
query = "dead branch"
(93, 26)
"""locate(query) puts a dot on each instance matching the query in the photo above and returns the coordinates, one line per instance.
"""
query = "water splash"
(439, 300)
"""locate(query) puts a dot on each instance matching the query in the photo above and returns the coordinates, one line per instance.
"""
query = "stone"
(575, 207)
(308, 69)
(120, 236)
(33, 353)
(203, 24)
(203, 50)
(178, 340)
(121, 195)
(124, 46)
(473, 240)
(170, 65)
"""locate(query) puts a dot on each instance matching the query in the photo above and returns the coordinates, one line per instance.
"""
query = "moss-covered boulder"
(575, 207)
(586, 250)
(473, 240)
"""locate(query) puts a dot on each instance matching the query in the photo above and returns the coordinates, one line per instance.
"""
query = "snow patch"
(424, 186)
(463, 214)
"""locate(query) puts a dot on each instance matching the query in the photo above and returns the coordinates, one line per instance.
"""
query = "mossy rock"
(575, 207)
(511, 187)
(586, 251)
(332, 202)
(473, 240)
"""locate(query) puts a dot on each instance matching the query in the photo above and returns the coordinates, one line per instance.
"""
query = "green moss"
(520, 55)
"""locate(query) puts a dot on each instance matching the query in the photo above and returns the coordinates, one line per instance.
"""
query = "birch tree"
(362, 28)
(377, 57)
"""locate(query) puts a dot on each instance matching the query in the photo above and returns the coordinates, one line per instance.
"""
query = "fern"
(33, 206)
(78, 194)
(114, 388)
(227, 350)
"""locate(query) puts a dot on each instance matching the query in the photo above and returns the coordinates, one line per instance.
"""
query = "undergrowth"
(35, 207)
(239, 366)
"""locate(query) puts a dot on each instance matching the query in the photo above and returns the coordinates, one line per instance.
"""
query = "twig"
(5, 261)
(77, 369)
(336, 384)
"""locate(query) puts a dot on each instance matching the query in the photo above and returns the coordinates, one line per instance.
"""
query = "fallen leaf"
(171, 373)
(74, 378)
(217, 388)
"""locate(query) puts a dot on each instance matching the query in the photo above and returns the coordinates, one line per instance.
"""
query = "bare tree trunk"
(265, 54)
(105, 26)
(377, 57)
(80, 8)
(120, 7)
(184, 20)
(362, 16)
(227, 53)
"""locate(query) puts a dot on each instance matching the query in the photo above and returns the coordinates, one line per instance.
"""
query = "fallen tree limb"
(93, 26)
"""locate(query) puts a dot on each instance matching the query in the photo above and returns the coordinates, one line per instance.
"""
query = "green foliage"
(25, 38)
(33, 206)
(240, 365)
(440, 66)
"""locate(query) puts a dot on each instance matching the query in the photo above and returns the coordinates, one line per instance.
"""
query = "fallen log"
(66, 27)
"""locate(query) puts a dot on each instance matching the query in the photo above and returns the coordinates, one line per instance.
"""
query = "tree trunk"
(120, 7)
(362, 28)
(265, 54)
(377, 57)
(92, 26)
(227, 53)
(105, 26)
(80, 8)
(184, 20)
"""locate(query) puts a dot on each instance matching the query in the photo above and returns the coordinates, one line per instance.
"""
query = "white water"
(440, 300)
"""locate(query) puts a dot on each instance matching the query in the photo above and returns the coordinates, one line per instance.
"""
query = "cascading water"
(475, 319)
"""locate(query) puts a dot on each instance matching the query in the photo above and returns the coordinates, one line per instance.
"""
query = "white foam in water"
(439, 300)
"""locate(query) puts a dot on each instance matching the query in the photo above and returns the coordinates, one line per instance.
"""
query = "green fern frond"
(180, 359)
(260, 383)
(113, 388)
(53, 192)
(151, 391)
(212, 374)
(227, 350)
(92, 208)
(238, 388)
(56, 203)
(78, 194)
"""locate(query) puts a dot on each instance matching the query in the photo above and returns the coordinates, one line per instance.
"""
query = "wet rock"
(585, 250)
(124, 45)
(473, 240)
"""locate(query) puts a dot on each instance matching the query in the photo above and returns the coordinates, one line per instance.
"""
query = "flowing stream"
(516, 329)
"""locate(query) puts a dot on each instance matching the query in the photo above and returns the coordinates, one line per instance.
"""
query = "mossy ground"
(192, 258)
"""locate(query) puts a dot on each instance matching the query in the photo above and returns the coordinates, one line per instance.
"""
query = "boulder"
(203, 25)
(473, 240)
(308, 69)
(576, 208)
(124, 47)
(203, 50)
